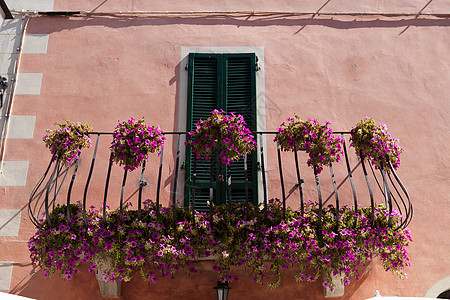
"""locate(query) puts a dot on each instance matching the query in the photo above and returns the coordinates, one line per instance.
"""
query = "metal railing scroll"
(394, 194)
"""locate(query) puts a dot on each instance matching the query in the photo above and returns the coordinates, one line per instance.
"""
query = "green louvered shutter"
(241, 98)
(222, 81)
(203, 92)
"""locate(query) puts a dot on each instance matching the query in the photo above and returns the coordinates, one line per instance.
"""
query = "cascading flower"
(226, 132)
(67, 141)
(159, 246)
(374, 142)
(318, 141)
(133, 140)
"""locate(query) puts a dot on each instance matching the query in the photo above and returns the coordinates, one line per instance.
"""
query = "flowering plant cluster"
(159, 246)
(67, 141)
(227, 133)
(374, 142)
(133, 140)
(318, 141)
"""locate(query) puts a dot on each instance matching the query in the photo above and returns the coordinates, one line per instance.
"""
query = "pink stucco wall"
(100, 69)
(405, 6)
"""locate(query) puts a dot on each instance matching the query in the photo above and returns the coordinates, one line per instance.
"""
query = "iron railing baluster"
(174, 195)
(319, 195)
(211, 190)
(32, 211)
(372, 202)
(280, 168)
(409, 211)
(376, 179)
(392, 195)
(56, 188)
(246, 187)
(69, 192)
(194, 179)
(158, 188)
(336, 196)
(53, 185)
(263, 173)
(398, 193)
(350, 176)
(108, 177)
(47, 193)
(122, 191)
(229, 187)
(48, 186)
(299, 183)
(45, 196)
(58, 171)
(141, 185)
(89, 178)
(387, 192)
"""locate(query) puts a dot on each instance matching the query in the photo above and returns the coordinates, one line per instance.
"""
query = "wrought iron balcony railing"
(92, 179)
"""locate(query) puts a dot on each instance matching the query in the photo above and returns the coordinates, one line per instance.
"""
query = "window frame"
(221, 77)
(182, 83)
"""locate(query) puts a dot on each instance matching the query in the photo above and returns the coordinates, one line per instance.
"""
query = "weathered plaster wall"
(101, 69)
(412, 6)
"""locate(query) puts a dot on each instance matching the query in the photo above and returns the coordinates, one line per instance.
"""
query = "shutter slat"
(239, 99)
(238, 87)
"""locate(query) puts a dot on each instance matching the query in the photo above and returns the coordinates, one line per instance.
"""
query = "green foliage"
(226, 133)
(317, 139)
(67, 141)
(156, 245)
(374, 142)
(133, 140)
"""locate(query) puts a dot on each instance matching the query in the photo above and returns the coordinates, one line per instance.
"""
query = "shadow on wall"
(183, 286)
(60, 23)
(34, 285)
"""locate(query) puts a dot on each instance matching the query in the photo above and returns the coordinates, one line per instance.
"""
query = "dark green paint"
(228, 82)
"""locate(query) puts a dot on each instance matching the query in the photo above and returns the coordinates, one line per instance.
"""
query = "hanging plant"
(67, 141)
(374, 142)
(318, 141)
(161, 246)
(133, 140)
(226, 132)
